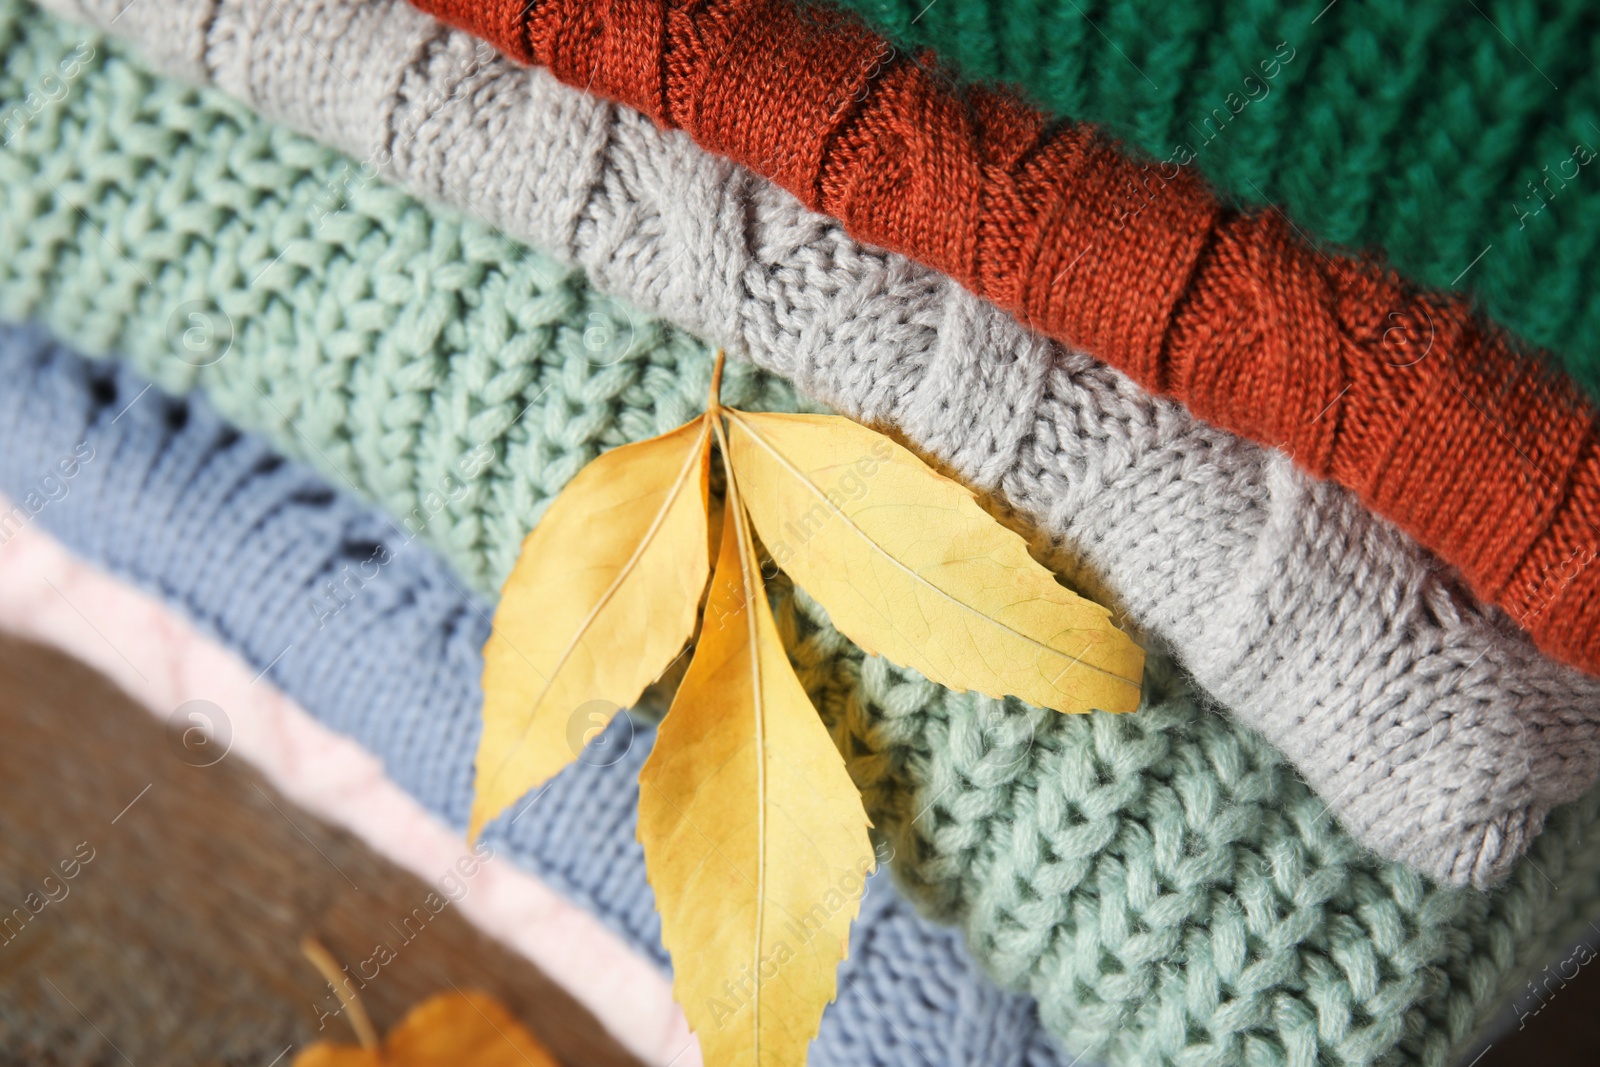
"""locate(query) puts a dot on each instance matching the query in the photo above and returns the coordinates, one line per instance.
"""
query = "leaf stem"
(324, 962)
(714, 402)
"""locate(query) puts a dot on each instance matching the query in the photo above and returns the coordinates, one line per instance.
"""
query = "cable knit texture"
(382, 342)
(246, 544)
(1422, 408)
(1417, 128)
(1162, 882)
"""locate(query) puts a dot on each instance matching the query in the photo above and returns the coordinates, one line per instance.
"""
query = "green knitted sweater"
(1437, 132)
(1161, 882)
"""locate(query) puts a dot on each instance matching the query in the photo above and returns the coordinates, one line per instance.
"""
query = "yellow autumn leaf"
(755, 839)
(602, 599)
(462, 1029)
(909, 567)
(754, 835)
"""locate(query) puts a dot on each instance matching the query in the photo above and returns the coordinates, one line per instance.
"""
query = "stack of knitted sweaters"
(446, 254)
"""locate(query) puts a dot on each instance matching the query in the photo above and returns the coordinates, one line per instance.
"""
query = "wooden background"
(178, 943)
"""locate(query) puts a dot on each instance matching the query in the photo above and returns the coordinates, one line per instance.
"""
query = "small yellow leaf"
(449, 1030)
(603, 597)
(754, 835)
(910, 567)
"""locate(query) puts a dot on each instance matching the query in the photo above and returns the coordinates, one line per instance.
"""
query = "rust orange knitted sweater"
(1427, 411)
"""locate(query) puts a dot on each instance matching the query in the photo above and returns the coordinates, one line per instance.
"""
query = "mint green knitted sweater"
(1161, 882)
(1436, 132)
